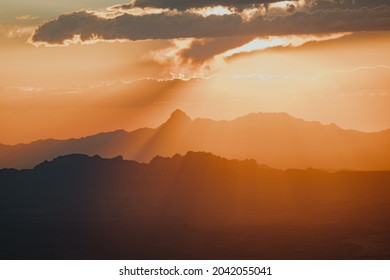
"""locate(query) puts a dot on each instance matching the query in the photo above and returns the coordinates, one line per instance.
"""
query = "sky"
(76, 68)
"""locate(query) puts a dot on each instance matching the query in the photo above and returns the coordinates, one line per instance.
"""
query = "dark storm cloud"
(191, 25)
(348, 4)
(153, 26)
(240, 4)
(188, 4)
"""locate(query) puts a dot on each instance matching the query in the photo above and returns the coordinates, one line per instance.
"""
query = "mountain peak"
(178, 116)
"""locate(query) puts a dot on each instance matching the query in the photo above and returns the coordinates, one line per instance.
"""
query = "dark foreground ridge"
(197, 206)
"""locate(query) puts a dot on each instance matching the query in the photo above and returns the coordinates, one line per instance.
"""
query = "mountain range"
(274, 139)
(193, 206)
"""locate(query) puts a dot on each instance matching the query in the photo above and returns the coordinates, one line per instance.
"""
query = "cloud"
(87, 26)
(182, 5)
(199, 58)
(347, 4)
(204, 49)
(259, 44)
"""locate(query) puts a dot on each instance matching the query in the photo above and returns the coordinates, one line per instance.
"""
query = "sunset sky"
(75, 68)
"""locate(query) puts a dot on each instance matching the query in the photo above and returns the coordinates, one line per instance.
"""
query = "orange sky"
(82, 89)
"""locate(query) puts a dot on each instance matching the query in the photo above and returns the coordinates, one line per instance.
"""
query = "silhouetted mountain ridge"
(275, 139)
(193, 171)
